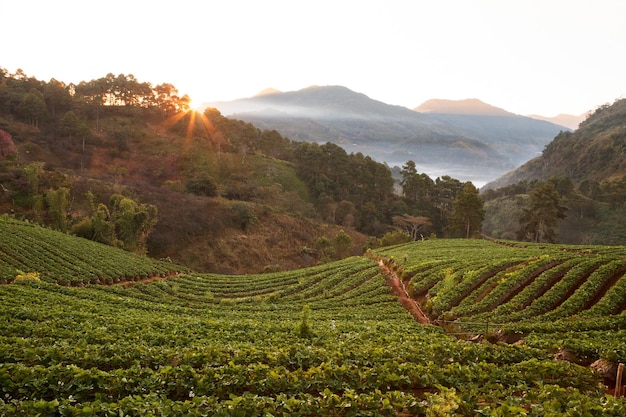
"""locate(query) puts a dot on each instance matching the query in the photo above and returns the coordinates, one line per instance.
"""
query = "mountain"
(567, 120)
(478, 146)
(595, 151)
(470, 106)
(268, 91)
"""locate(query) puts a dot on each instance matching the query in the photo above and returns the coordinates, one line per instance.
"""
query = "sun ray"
(190, 126)
(198, 125)
(213, 133)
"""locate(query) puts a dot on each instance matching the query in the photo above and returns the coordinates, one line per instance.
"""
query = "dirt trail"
(398, 289)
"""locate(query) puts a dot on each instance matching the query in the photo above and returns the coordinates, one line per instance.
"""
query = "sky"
(541, 57)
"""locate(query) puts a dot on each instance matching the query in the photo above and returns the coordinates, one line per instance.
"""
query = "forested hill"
(474, 147)
(587, 172)
(126, 163)
(595, 152)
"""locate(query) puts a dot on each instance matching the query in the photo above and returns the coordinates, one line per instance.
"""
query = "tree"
(71, 126)
(32, 108)
(201, 183)
(413, 226)
(346, 213)
(167, 99)
(133, 222)
(417, 189)
(409, 184)
(244, 216)
(57, 96)
(323, 246)
(103, 229)
(395, 238)
(58, 202)
(538, 222)
(468, 212)
(342, 243)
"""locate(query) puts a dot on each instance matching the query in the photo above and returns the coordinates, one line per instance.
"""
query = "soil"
(398, 289)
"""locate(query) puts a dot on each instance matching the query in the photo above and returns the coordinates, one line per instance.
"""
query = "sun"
(198, 125)
(194, 106)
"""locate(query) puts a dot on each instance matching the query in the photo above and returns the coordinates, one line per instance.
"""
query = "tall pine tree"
(468, 212)
(538, 222)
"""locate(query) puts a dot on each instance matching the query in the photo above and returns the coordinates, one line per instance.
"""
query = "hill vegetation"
(587, 168)
(329, 340)
(594, 152)
(128, 164)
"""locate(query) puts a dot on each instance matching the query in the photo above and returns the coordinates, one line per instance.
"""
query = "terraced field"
(325, 341)
(556, 297)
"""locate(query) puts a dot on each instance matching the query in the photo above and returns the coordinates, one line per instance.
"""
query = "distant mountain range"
(567, 120)
(467, 139)
(473, 106)
(470, 106)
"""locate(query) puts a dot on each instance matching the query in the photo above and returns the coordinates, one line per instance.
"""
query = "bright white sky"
(526, 56)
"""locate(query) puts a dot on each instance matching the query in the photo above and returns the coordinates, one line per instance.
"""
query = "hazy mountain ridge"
(477, 147)
(568, 120)
(470, 106)
(476, 107)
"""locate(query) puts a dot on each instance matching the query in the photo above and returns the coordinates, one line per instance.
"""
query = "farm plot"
(555, 296)
(57, 257)
(324, 341)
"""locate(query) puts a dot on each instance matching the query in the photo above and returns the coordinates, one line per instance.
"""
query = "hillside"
(128, 164)
(33, 251)
(322, 341)
(469, 147)
(594, 152)
(200, 231)
(587, 169)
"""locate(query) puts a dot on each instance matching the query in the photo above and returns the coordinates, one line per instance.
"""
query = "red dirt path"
(397, 288)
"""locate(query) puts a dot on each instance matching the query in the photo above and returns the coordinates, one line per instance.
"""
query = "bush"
(395, 238)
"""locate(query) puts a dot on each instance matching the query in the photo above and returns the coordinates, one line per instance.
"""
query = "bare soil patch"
(398, 289)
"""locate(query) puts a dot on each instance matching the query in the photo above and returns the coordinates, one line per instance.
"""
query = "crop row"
(540, 282)
(66, 260)
(501, 287)
(200, 344)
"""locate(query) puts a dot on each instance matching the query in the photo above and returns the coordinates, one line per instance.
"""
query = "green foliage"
(243, 216)
(198, 344)
(304, 329)
(201, 183)
(133, 222)
(538, 222)
(395, 238)
(468, 212)
(67, 260)
(342, 245)
(336, 178)
(103, 227)
(32, 108)
(323, 246)
(70, 125)
(58, 202)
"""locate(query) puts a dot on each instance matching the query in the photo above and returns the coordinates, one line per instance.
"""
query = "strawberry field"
(325, 341)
